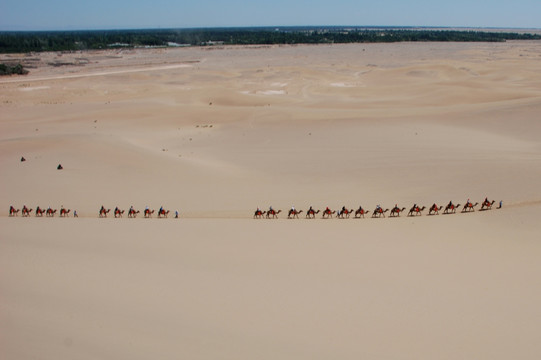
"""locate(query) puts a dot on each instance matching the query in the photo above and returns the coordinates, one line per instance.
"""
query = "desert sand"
(215, 133)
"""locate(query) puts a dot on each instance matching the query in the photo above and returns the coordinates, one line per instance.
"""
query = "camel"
(343, 213)
(118, 212)
(396, 211)
(469, 207)
(132, 213)
(328, 213)
(104, 212)
(416, 210)
(163, 213)
(434, 209)
(26, 211)
(293, 214)
(487, 205)
(39, 212)
(64, 212)
(273, 213)
(360, 212)
(258, 214)
(311, 213)
(50, 212)
(451, 208)
(378, 212)
(13, 211)
(148, 213)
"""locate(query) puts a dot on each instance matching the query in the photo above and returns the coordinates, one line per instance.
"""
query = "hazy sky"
(121, 14)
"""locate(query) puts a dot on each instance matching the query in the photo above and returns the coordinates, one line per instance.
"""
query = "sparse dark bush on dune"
(18, 69)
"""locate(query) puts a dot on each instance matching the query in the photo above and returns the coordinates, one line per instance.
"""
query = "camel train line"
(49, 212)
(132, 213)
(102, 213)
(311, 213)
(378, 212)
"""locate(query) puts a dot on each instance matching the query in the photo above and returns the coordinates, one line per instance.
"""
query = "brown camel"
(434, 209)
(104, 212)
(50, 212)
(163, 213)
(360, 212)
(396, 211)
(469, 207)
(64, 212)
(487, 205)
(451, 208)
(13, 211)
(273, 213)
(293, 214)
(119, 213)
(344, 214)
(39, 212)
(311, 213)
(379, 212)
(258, 214)
(148, 213)
(416, 210)
(328, 213)
(132, 213)
(26, 211)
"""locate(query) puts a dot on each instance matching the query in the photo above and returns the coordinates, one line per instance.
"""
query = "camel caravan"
(49, 212)
(102, 213)
(378, 212)
(311, 213)
(132, 213)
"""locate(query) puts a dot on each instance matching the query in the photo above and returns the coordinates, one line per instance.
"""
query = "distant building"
(117, 44)
(174, 44)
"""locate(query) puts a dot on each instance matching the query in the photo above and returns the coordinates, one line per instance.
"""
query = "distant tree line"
(22, 42)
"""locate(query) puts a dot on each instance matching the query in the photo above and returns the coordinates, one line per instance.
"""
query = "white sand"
(214, 133)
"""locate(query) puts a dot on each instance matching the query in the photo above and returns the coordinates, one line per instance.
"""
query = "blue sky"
(129, 14)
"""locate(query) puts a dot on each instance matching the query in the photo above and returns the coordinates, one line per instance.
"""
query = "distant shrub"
(18, 69)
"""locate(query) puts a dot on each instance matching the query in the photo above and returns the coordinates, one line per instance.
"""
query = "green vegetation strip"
(23, 42)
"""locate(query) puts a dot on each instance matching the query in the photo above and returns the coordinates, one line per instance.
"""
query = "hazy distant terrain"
(19, 42)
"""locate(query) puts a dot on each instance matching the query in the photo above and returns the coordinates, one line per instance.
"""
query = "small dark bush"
(12, 69)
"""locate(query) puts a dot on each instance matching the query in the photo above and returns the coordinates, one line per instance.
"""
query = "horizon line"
(278, 27)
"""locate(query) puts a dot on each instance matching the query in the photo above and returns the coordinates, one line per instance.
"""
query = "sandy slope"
(217, 132)
(434, 287)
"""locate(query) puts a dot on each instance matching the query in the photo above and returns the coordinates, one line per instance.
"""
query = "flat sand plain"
(216, 132)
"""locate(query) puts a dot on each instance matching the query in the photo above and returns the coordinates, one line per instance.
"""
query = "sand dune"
(215, 133)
